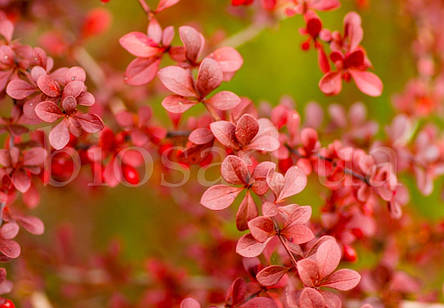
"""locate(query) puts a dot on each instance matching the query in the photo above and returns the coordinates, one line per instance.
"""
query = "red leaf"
(164, 4)
(294, 182)
(90, 123)
(248, 247)
(297, 234)
(177, 80)
(219, 197)
(21, 181)
(261, 228)
(48, 86)
(31, 224)
(201, 135)
(228, 58)
(343, 280)
(331, 83)
(59, 135)
(246, 212)
(271, 275)
(19, 89)
(209, 77)
(367, 82)
(328, 256)
(223, 131)
(247, 128)
(311, 298)
(10, 248)
(234, 170)
(139, 44)
(193, 42)
(141, 71)
(224, 100)
(177, 103)
(48, 111)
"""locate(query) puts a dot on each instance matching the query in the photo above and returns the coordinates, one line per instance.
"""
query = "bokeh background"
(146, 221)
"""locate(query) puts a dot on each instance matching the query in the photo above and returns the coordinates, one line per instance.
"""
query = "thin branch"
(145, 6)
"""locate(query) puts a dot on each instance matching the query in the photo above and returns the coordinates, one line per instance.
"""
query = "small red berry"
(7, 304)
(130, 174)
(350, 254)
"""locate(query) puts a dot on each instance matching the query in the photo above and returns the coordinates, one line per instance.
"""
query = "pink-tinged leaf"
(246, 212)
(21, 181)
(259, 302)
(328, 256)
(294, 182)
(331, 83)
(201, 135)
(69, 104)
(141, 71)
(177, 103)
(260, 186)
(34, 156)
(155, 31)
(48, 86)
(343, 280)
(168, 35)
(19, 89)
(210, 76)
(177, 80)
(74, 88)
(48, 111)
(5, 158)
(86, 99)
(193, 42)
(224, 100)
(308, 272)
(297, 234)
(31, 224)
(234, 170)
(139, 45)
(223, 131)
(271, 275)
(295, 214)
(189, 303)
(59, 135)
(9, 230)
(4, 78)
(219, 197)
(353, 30)
(247, 128)
(261, 228)
(164, 4)
(367, 82)
(325, 5)
(237, 292)
(275, 181)
(6, 29)
(228, 58)
(331, 299)
(324, 64)
(311, 298)
(90, 123)
(248, 247)
(75, 73)
(32, 197)
(10, 248)
(264, 143)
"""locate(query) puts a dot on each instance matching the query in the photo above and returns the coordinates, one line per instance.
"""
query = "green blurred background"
(274, 65)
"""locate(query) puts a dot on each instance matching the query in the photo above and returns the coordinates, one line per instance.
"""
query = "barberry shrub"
(251, 204)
